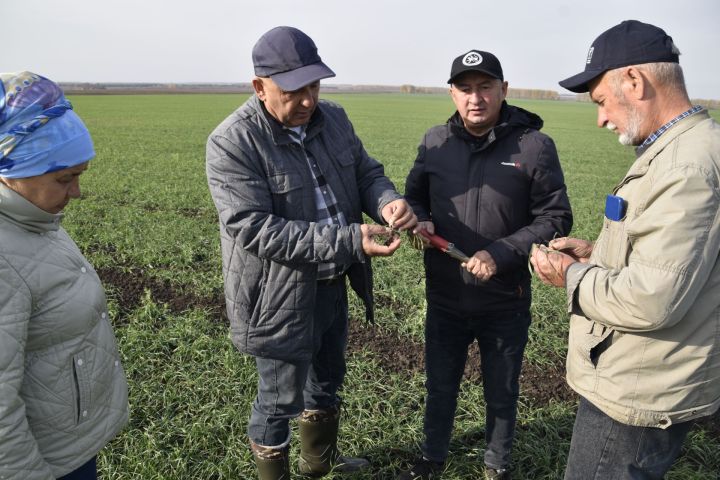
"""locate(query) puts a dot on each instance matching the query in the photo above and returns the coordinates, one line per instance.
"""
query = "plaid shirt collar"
(297, 134)
(656, 134)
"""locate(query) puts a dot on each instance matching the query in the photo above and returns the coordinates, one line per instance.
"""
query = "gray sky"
(389, 42)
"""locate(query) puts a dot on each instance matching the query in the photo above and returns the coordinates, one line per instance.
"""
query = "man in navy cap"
(644, 349)
(491, 182)
(291, 182)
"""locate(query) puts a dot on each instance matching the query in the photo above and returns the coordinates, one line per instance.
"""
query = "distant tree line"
(526, 93)
(533, 94)
(709, 104)
(139, 88)
(414, 89)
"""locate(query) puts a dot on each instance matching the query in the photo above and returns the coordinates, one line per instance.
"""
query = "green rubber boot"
(318, 445)
(272, 463)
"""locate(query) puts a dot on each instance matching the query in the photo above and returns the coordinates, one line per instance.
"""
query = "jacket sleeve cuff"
(421, 214)
(573, 276)
(386, 198)
(502, 257)
(358, 252)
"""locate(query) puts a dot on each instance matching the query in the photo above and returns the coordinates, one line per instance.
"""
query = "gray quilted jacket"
(271, 242)
(63, 393)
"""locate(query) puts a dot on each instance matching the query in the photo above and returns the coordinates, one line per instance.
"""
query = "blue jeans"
(605, 449)
(86, 472)
(285, 389)
(501, 338)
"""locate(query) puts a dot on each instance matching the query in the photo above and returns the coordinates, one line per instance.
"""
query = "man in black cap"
(291, 181)
(644, 349)
(491, 183)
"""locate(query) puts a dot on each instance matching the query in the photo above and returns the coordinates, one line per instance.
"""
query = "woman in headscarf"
(63, 392)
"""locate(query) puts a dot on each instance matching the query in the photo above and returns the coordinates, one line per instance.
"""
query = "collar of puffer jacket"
(279, 132)
(15, 209)
(511, 117)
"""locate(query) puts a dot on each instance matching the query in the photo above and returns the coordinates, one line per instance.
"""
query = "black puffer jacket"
(499, 193)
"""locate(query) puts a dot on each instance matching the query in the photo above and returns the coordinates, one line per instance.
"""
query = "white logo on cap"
(590, 52)
(471, 59)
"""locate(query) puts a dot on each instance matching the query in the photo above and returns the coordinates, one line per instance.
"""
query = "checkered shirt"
(656, 134)
(327, 208)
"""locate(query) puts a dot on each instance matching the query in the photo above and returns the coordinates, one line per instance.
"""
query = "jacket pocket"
(595, 342)
(615, 246)
(341, 176)
(344, 157)
(597, 350)
(260, 306)
(48, 390)
(287, 194)
(282, 183)
(82, 383)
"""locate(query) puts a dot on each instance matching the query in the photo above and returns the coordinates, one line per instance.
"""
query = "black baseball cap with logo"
(290, 58)
(476, 61)
(629, 43)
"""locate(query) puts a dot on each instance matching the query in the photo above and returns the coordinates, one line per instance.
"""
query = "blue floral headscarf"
(39, 132)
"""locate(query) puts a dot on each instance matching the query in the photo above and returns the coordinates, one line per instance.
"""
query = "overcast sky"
(389, 42)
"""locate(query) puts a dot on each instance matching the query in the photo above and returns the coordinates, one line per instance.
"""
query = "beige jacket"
(644, 342)
(63, 393)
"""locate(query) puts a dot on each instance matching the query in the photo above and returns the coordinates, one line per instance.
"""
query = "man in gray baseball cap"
(644, 297)
(291, 182)
(289, 58)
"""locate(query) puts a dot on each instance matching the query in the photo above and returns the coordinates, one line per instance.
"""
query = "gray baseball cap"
(289, 57)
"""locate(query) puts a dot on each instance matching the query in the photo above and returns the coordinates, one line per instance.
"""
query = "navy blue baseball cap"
(629, 43)
(289, 57)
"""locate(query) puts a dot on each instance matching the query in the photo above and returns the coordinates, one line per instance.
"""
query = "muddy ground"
(539, 385)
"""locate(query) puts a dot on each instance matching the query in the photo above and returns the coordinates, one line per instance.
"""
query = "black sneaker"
(497, 474)
(422, 469)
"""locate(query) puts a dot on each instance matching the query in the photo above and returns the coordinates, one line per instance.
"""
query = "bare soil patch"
(129, 286)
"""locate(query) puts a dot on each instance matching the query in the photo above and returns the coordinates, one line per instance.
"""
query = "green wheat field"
(147, 223)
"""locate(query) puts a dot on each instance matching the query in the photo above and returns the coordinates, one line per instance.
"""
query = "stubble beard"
(633, 124)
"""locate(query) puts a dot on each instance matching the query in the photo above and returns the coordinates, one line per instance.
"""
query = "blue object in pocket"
(615, 207)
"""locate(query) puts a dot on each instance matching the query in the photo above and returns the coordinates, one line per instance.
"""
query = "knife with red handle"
(443, 245)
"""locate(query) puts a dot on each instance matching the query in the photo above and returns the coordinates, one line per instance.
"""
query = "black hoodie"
(501, 193)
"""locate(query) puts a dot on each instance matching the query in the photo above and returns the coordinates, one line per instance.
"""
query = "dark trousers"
(87, 472)
(605, 449)
(285, 389)
(502, 338)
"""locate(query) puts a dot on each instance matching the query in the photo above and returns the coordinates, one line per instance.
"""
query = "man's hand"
(550, 265)
(399, 215)
(579, 250)
(481, 265)
(419, 241)
(378, 241)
